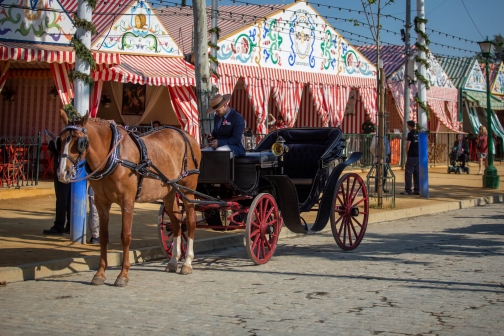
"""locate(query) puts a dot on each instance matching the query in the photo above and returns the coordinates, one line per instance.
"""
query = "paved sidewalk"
(433, 275)
(27, 254)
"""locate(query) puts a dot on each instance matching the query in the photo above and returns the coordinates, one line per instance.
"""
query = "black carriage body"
(250, 192)
(311, 157)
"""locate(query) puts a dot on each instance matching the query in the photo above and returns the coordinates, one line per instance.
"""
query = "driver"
(228, 126)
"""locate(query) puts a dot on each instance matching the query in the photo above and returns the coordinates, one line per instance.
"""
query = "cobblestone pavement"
(437, 275)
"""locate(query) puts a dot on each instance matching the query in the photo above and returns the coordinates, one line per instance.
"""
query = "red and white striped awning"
(245, 71)
(166, 71)
(50, 53)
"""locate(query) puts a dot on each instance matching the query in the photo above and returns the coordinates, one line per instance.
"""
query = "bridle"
(82, 146)
(110, 161)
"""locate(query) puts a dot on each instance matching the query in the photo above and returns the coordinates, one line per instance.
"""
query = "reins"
(121, 137)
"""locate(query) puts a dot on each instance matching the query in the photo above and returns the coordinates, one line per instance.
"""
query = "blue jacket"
(230, 132)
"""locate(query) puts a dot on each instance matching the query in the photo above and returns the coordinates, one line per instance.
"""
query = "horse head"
(74, 144)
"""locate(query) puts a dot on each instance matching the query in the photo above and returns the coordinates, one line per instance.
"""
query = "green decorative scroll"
(82, 51)
(425, 48)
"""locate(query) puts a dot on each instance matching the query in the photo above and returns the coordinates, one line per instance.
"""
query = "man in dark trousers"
(228, 126)
(62, 194)
(367, 128)
(412, 161)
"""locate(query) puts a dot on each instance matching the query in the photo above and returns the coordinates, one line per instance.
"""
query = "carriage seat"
(264, 158)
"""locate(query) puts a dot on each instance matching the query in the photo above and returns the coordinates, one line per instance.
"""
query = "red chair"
(47, 160)
(20, 162)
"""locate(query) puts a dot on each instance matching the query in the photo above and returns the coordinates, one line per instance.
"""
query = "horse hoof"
(171, 268)
(186, 270)
(121, 282)
(97, 281)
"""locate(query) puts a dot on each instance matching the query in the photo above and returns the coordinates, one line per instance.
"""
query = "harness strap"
(143, 167)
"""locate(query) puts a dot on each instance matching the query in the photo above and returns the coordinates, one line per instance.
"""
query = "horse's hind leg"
(172, 207)
(191, 228)
(103, 213)
(127, 209)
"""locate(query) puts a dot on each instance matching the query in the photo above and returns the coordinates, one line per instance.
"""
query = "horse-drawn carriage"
(290, 172)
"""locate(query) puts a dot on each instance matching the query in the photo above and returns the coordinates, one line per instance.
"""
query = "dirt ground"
(22, 219)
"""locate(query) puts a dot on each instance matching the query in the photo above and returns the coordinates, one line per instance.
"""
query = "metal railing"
(362, 143)
(19, 161)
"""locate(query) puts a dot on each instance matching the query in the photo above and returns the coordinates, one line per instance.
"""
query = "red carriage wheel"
(351, 211)
(165, 232)
(263, 228)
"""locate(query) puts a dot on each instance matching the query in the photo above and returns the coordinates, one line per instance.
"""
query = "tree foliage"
(499, 48)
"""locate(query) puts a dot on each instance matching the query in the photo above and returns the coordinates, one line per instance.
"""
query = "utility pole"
(381, 112)
(381, 135)
(407, 77)
(423, 150)
(215, 25)
(201, 63)
(81, 104)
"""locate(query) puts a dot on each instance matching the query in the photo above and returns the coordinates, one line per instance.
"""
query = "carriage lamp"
(279, 148)
(491, 178)
(249, 137)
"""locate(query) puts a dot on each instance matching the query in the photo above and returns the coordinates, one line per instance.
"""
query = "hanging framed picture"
(133, 102)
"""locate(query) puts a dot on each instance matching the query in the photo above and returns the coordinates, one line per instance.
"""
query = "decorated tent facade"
(442, 96)
(285, 60)
(34, 50)
(497, 89)
(468, 77)
(131, 47)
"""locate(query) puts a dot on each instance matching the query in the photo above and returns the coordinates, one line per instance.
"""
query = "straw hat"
(218, 101)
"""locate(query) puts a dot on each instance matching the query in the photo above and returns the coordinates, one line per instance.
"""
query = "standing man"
(367, 128)
(62, 191)
(228, 126)
(412, 161)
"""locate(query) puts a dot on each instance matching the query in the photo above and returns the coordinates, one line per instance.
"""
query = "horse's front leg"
(173, 209)
(103, 209)
(191, 228)
(127, 210)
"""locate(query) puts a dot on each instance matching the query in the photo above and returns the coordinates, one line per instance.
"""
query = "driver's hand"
(214, 144)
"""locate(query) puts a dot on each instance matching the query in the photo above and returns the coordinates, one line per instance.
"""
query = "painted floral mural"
(138, 31)
(29, 20)
(295, 39)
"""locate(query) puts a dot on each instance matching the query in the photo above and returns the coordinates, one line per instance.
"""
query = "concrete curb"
(73, 265)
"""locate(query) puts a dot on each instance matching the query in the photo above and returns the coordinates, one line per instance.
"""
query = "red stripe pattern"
(238, 71)
(166, 71)
(32, 110)
(32, 52)
(63, 85)
(186, 109)
(95, 98)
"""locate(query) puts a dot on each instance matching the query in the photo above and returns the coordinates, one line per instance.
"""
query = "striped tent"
(301, 98)
(441, 101)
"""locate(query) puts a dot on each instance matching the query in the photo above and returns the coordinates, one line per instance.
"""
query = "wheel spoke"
(362, 200)
(357, 222)
(352, 191)
(269, 213)
(347, 198)
(344, 226)
(263, 250)
(350, 232)
(340, 200)
(268, 244)
(356, 193)
(341, 227)
(353, 229)
(343, 195)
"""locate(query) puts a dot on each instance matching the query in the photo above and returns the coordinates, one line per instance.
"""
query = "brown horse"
(167, 148)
